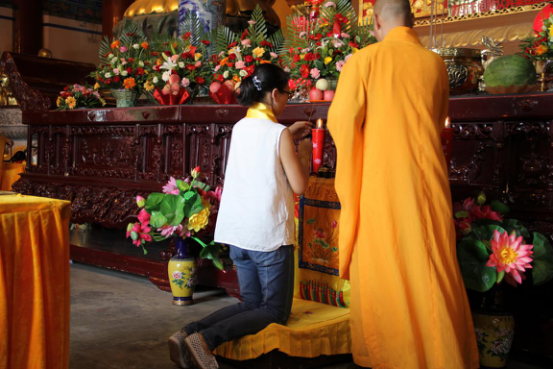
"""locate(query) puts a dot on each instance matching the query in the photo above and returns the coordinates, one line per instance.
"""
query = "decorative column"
(28, 26)
(112, 13)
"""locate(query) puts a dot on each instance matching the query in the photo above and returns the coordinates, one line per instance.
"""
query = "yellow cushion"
(313, 329)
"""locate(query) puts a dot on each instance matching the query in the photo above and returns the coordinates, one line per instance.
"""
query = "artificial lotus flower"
(140, 201)
(509, 255)
(485, 212)
(171, 187)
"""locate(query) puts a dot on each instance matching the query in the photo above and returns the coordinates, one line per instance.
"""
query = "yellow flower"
(302, 56)
(199, 220)
(236, 78)
(96, 86)
(328, 59)
(197, 56)
(354, 50)
(149, 86)
(59, 101)
(71, 102)
(258, 52)
(541, 49)
(551, 29)
(103, 102)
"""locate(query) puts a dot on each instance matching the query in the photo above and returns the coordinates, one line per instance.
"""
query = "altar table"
(34, 282)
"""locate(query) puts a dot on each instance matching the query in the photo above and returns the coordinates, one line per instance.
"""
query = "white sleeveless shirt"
(257, 206)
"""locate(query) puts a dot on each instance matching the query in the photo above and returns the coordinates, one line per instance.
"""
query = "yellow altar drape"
(34, 282)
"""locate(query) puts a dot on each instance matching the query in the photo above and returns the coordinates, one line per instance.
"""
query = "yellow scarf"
(261, 111)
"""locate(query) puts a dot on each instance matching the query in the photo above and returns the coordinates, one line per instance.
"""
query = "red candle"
(447, 141)
(318, 145)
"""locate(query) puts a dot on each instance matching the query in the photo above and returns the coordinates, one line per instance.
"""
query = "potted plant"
(237, 55)
(184, 210)
(77, 96)
(492, 249)
(123, 67)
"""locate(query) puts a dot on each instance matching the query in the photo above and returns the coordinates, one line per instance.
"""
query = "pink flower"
(340, 65)
(217, 68)
(240, 64)
(485, 212)
(246, 42)
(347, 57)
(467, 205)
(334, 224)
(144, 217)
(337, 43)
(123, 61)
(174, 57)
(140, 201)
(319, 233)
(274, 55)
(198, 64)
(185, 82)
(116, 71)
(252, 22)
(302, 34)
(344, 35)
(139, 233)
(329, 4)
(123, 49)
(168, 230)
(177, 275)
(509, 255)
(171, 187)
(315, 73)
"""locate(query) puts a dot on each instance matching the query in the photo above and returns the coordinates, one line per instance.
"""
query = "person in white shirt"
(256, 219)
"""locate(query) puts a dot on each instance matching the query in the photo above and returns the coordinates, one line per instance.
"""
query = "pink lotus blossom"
(185, 82)
(240, 64)
(144, 217)
(246, 42)
(509, 255)
(347, 57)
(340, 65)
(168, 230)
(123, 49)
(171, 187)
(142, 234)
(315, 73)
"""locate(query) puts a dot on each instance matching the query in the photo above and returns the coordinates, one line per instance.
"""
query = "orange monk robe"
(408, 303)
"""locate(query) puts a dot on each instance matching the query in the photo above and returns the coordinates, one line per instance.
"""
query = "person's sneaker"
(177, 350)
(199, 352)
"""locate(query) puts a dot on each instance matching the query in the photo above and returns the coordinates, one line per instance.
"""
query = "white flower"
(168, 65)
(114, 60)
(116, 71)
(141, 63)
(136, 46)
(185, 82)
(107, 75)
(166, 75)
(124, 73)
(110, 56)
(155, 80)
(181, 64)
(287, 69)
(225, 75)
(243, 73)
(337, 43)
(330, 4)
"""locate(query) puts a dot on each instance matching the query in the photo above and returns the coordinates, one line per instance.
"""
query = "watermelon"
(510, 70)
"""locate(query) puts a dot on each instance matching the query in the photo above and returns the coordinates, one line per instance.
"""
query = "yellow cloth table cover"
(34, 282)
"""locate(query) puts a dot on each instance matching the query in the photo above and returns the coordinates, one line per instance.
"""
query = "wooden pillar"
(28, 26)
(112, 13)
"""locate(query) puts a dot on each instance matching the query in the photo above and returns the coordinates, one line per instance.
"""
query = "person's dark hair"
(265, 78)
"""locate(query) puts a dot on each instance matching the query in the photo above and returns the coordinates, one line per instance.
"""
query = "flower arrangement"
(493, 248)
(180, 66)
(186, 208)
(77, 96)
(124, 62)
(540, 46)
(237, 55)
(319, 46)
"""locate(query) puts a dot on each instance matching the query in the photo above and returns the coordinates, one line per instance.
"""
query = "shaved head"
(390, 14)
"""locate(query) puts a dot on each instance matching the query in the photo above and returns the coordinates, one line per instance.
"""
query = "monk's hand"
(300, 129)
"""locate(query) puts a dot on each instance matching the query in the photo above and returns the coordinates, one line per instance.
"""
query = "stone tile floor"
(122, 321)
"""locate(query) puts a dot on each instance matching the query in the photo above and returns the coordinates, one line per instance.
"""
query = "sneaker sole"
(176, 354)
(194, 356)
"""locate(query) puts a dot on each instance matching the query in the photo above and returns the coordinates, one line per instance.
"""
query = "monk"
(397, 238)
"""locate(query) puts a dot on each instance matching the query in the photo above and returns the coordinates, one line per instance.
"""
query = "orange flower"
(129, 83)
(115, 44)
(236, 78)
(542, 49)
(145, 45)
(264, 62)
(223, 62)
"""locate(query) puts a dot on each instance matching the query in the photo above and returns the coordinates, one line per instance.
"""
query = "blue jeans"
(266, 282)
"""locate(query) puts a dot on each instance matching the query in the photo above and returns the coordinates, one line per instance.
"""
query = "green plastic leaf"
(153, 200)
(157, 219)
(172, 207)
(182, 185)
(134, 235)
(500, 276)
(499, 207)
(211, 252)
(473, 256)
(461, 214)
(197, 206)
(542, 265)
(485, 232)
(515, 225)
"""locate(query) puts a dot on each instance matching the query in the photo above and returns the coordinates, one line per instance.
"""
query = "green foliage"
(473, 255)
(543, 260)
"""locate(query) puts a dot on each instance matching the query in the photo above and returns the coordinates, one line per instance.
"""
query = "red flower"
(129, 70)
(354, 44)
(130, 60)
(186, 36)
(266, 43)
(304, 70)
(174, 72)
(200, 80)
(130, 34)
(154, 53)
(250, 69)
(339, 18)
(66, 88)
(140, 71)
(116, 79)
(244, 34)
(156, 68)
(296, 58)
(205, 42)
(232, 56)
(190, 66)
(230, 65)
(232, 45)
(108, 81)
(485, 212)
(248, 59)
(168, 53)
(220, 78)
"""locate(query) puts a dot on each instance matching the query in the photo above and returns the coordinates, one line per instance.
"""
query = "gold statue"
(45, 53)
(6, 97)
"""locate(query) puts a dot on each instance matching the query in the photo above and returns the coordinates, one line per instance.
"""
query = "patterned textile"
(81, 10)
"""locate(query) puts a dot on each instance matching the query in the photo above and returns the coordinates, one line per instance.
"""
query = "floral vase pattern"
(125, 98)
(494, 336)
(182, 273)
